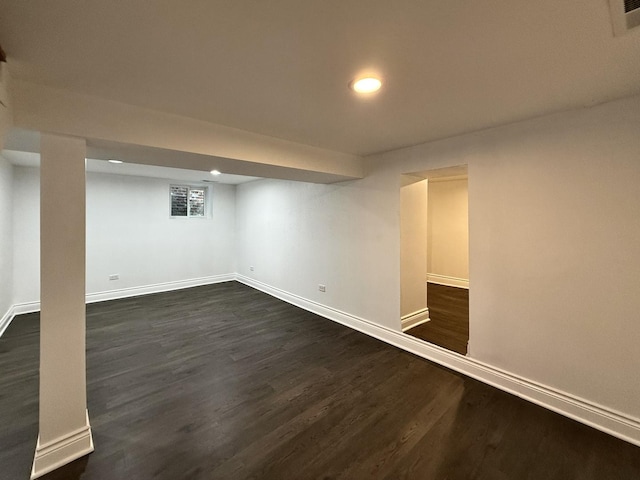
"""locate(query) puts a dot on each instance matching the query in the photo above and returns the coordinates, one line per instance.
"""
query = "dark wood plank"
(225, 382)
(449, 314)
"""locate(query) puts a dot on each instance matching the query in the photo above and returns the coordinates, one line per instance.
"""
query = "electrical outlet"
(252, 268)
(322, 288)
(115, 276)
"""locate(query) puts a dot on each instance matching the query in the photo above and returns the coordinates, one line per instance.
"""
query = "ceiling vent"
(625, 15)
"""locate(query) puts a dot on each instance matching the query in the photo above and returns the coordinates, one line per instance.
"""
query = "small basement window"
(188, 201)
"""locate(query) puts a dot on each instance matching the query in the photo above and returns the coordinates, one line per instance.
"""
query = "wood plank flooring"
(449, 314)
(225, 382)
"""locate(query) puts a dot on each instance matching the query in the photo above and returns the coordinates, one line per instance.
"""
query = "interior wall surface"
(26, 235)
(554, 225)
(413, 247)
(448, 230)
(6, 236)
(129, 234)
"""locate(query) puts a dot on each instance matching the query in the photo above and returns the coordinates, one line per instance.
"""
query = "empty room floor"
(226, 382)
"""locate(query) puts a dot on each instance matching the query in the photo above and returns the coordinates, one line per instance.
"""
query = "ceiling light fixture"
(114, 161)
(366, 85)
(215, 172)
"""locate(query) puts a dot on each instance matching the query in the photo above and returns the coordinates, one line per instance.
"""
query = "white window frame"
(204, 188)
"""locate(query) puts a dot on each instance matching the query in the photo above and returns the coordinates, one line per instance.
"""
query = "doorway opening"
(434, 257)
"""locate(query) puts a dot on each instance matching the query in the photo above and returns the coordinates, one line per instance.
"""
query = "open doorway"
(434, 257)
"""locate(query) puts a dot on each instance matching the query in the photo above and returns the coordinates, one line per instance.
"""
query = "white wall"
(26, 235)
(6, 203)
(6, 236)
(129, 233)
(448, 230)
(413, 245)
(554, 213)
(300, 235)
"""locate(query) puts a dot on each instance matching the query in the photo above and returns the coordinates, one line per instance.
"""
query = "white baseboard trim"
(602, 418)
(62, 450)
(27, 307)
(448, 281)
(30, 307)
(158, 288)
(14, 310)
(414, 319)
(6, 320)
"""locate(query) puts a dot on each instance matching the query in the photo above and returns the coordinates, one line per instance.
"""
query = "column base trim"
(62, 450)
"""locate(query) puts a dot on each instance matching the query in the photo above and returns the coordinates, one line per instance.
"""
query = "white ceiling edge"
(29, 159)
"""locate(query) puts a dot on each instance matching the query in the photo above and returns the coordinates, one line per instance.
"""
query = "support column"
(65, 434)
(6, 117)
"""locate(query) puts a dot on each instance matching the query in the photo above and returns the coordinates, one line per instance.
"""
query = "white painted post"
(65, 433)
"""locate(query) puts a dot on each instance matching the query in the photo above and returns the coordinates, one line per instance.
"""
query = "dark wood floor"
(449, 314)
(225, 382)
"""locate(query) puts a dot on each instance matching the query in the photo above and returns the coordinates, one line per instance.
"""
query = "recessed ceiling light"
(215, 172)
(114, 161)
(366, 85)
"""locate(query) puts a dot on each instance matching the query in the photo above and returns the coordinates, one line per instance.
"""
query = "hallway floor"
(449, 314)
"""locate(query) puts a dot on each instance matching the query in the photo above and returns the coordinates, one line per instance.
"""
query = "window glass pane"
(196, 202)
(179, 200)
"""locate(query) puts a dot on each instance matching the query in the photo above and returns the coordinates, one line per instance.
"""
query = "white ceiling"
(281, 67)
(30, 159)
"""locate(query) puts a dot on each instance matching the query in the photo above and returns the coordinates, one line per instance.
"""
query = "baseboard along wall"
(414, 319)
(6, 319)
(31, 307)
(448, 281)
(602, 418)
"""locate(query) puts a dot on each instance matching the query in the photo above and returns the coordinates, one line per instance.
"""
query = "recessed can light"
(215, 172)
(366, 85)
(114, 161)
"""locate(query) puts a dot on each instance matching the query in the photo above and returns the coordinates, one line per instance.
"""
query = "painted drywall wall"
(300, 235)
(413, 246)
(554, 229)
(129, 233)
(6, 236)
(448, 230)
(26, 235)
